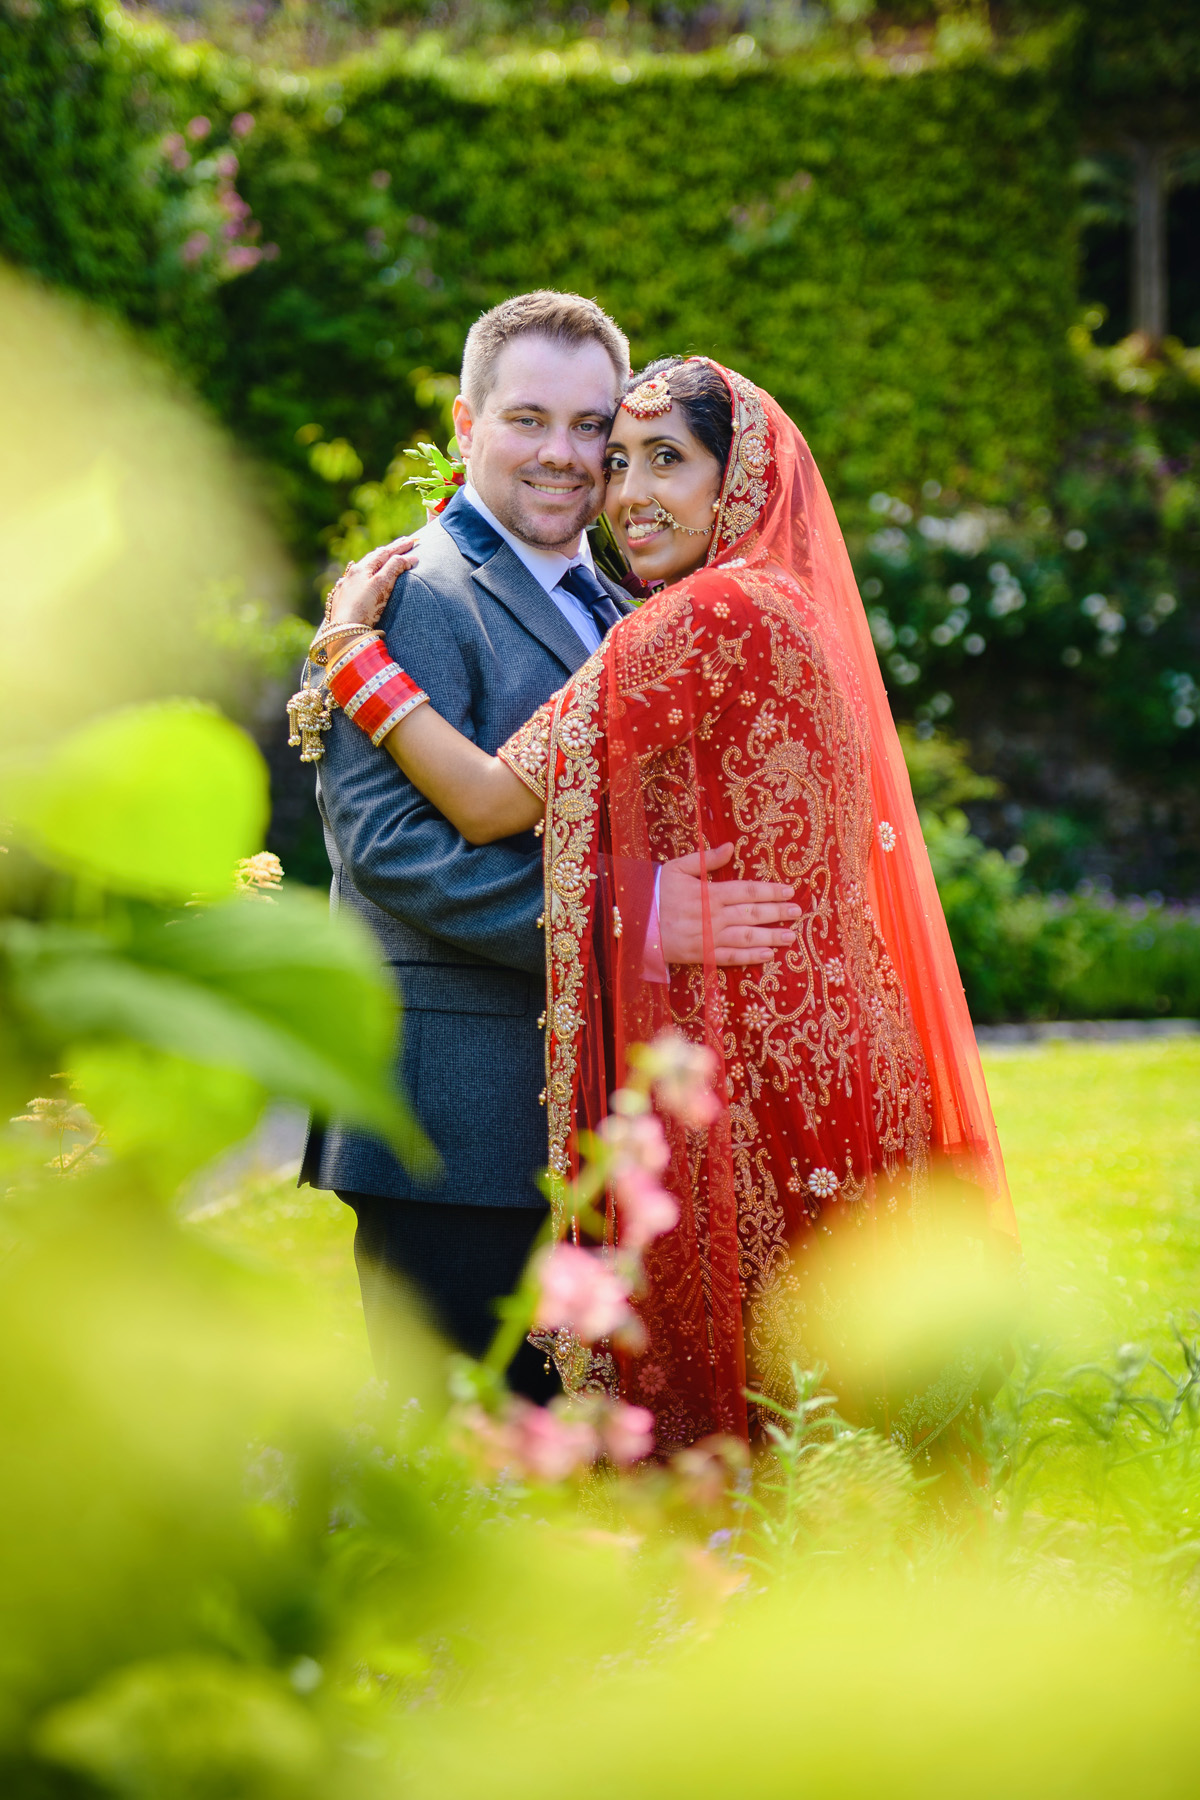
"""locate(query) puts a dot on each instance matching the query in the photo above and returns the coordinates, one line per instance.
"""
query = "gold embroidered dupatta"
(746, 702)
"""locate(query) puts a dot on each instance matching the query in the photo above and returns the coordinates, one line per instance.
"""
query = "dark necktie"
(583, 586)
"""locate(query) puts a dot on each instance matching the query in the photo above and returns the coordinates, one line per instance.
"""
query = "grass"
(1103, 1150)
(1102, 1144)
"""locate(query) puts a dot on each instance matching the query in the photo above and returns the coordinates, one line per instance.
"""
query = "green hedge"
(820, 225)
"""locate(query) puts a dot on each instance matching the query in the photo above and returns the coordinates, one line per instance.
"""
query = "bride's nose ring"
(663, 517)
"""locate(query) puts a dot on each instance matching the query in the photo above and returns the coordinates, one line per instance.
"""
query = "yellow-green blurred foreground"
(230, 1567)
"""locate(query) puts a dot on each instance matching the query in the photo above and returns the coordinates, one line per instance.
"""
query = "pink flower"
(270, 252)
(195, 246)
(683, 1076)
(227, 165)
(549, 1445)
(198, 128)
(242, 257)
(636, 1143)
(381, 179)
(583, 1293)
(626, 1432)
(646, 1209)
(242, 124)
(175, 151)
(538, 1442)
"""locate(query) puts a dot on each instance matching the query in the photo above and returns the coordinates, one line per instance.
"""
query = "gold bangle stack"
(328, 634)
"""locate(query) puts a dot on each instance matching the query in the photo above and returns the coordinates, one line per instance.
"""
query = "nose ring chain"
(663, 517)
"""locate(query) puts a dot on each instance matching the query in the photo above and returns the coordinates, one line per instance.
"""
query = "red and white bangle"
(373, 690)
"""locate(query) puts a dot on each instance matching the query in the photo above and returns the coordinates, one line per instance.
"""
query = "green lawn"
(1103, 1150)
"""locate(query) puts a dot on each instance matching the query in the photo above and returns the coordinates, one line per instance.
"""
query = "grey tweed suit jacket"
(456, 921)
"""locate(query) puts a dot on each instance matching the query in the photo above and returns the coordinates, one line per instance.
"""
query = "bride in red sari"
(743, 703)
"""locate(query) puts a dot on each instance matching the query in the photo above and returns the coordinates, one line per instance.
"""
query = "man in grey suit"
(506, 603)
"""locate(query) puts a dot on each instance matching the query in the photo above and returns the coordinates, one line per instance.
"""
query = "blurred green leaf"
(158, 800)
(291, 998)
(194, 1727)
(166, 1115)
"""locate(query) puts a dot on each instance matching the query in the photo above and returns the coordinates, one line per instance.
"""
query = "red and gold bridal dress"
(745, 704)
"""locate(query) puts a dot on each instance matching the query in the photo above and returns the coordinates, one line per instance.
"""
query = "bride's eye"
(664, 458)
(616, 463)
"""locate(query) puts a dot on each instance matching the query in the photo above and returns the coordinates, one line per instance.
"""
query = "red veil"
(746, 703)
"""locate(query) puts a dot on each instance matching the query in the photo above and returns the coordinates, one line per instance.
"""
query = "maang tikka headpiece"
(650, 399)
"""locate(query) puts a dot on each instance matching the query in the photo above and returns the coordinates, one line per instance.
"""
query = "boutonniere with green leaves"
(441, 477)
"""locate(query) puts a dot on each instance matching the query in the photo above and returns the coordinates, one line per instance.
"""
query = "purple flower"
(381, 179)
(242, 124)
(227, 165)
(198, 128)
(195, 246)
(242, 257)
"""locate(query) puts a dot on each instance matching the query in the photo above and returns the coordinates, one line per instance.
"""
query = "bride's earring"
(665, 518)
(716, 506)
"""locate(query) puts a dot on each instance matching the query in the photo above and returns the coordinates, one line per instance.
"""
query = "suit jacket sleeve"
(397, 848)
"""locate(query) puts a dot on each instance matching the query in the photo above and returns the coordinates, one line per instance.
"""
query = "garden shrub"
(1026, 955)
(1067, 639)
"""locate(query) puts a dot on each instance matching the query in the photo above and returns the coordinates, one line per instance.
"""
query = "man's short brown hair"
(564, 318)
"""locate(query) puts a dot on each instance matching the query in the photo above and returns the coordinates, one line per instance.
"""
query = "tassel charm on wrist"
(364, 681)
(309, 713)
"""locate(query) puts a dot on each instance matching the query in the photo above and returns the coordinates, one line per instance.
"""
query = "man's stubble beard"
(510, 513)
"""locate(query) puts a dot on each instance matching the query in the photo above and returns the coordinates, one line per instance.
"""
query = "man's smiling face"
(535, 447)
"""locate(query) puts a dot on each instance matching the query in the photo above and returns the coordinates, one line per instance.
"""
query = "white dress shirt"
(548, 568)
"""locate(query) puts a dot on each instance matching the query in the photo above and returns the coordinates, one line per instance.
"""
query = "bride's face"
(656, 466)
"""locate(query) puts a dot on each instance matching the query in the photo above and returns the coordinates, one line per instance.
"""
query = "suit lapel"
(505, 577)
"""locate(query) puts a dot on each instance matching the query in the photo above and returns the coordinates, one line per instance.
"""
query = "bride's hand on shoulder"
(362, 591)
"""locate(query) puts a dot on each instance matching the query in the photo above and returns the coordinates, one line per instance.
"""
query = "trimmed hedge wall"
(892, 255)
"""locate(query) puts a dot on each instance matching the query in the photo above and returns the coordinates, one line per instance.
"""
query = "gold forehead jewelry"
(650, 399)
(663, 517)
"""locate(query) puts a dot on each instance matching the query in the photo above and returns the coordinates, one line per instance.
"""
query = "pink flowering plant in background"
(210, 229)
(582, 1281)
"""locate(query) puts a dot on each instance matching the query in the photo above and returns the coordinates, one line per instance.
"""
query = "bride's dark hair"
(701, 396)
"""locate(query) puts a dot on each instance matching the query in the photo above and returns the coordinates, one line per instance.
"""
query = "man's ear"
(464, 425)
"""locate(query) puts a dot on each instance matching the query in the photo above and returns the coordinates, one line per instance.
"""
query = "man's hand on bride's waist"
(748, 920)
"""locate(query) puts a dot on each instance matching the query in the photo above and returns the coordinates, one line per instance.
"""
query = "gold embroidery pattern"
(572, 827)
(527, 752)
(557, 755)
(744, 493)
(828, 1018)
